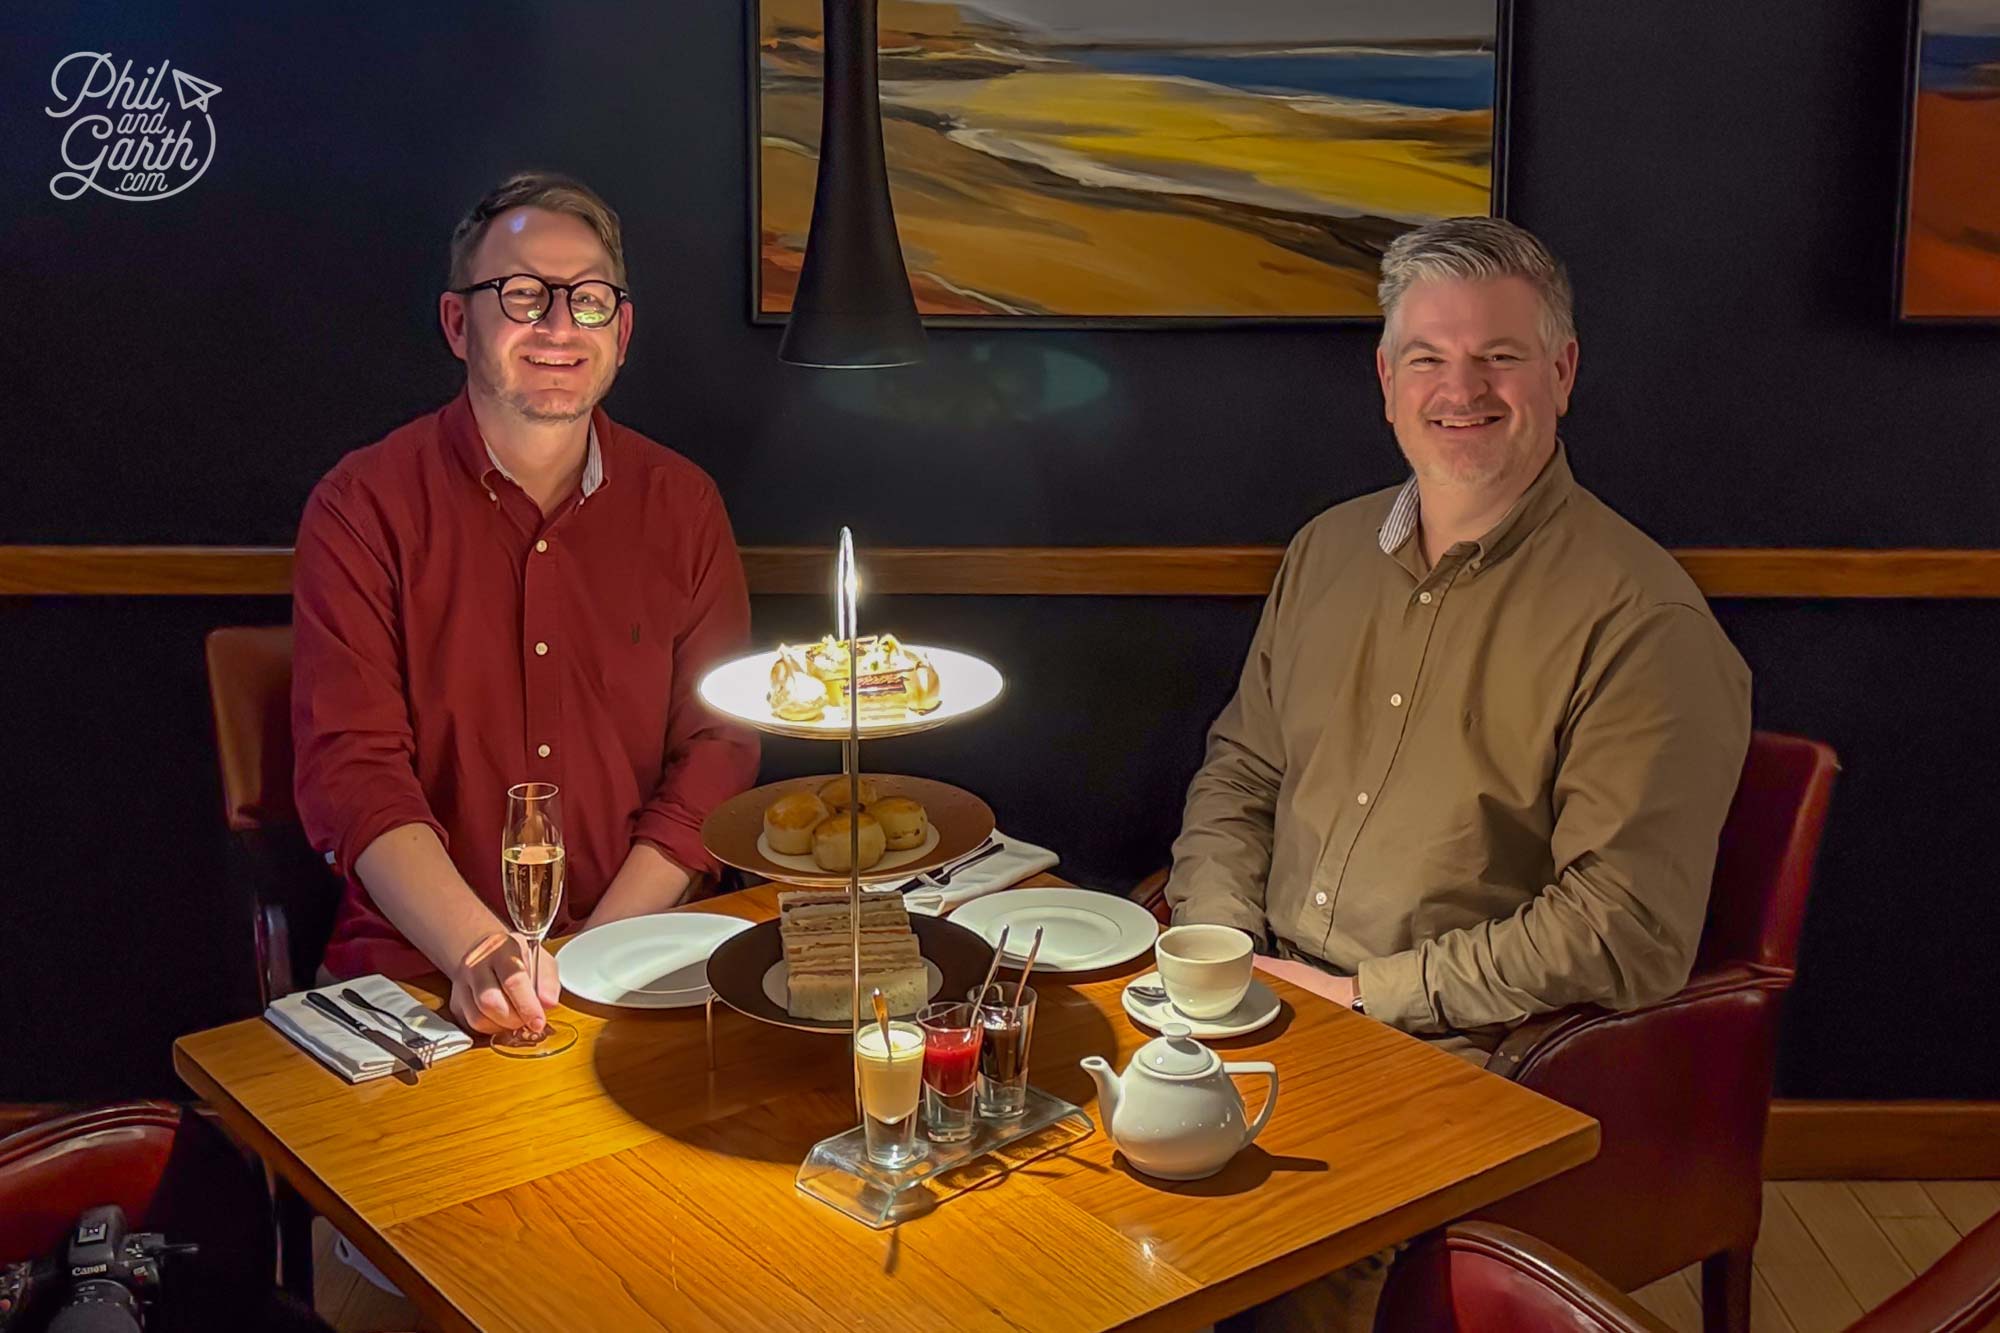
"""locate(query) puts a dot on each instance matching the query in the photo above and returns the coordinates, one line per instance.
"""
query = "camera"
(104, 1281)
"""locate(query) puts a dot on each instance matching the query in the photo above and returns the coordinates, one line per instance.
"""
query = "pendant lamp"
(853, 307)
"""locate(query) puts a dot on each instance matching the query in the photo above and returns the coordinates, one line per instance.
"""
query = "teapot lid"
(1176, 1054)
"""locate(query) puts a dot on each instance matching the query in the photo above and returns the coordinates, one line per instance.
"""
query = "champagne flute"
(532, 868)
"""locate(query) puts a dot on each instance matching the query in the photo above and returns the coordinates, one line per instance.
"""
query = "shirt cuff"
(361, 833)
(675, 841)
(1393, 992)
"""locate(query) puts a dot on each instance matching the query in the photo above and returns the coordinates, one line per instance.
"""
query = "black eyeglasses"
(526, 299)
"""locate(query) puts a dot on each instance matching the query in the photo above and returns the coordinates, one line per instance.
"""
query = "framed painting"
(1113, 162)
(1948, 239)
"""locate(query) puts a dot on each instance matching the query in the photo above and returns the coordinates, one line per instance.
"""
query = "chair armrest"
(1151, 894)
(274, 951)
(1479, 1276)
(1681, 1091)
(1958, 1294)
(54, 1169)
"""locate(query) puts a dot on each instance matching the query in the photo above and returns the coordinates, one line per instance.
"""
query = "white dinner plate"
(647, 962)
(1259, 1005)
(889, 861)
(741, 689)
(779, 993)
(1082, 930)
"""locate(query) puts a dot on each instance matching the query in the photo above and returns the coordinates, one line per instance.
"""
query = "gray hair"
(1477, 250)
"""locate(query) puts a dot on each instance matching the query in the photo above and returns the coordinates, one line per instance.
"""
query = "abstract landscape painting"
(1950, 262)
(1097, 160)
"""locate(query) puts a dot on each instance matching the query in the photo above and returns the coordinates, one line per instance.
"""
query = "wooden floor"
(1830, 1250)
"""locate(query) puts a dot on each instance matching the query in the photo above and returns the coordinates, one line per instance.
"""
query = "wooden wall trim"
(1897, 1140)
(1159, 571)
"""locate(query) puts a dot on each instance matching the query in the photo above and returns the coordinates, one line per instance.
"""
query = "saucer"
(1259, 1005)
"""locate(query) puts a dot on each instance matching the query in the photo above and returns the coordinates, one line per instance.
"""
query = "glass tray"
(838, 1173)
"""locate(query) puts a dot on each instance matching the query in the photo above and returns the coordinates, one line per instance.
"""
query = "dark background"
(1721, 181)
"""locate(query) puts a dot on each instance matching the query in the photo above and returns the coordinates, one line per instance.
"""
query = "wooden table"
(625, 1186)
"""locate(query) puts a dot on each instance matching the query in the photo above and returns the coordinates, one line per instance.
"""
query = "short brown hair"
(536, 189)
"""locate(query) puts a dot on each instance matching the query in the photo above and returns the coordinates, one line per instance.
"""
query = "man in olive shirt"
(1488, 730)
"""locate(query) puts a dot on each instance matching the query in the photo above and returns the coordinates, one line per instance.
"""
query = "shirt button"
(541, 650)
(543, 752)
(1361, 798)
(1395, 701)
(542, 545)
(1424, 597)
(1319, 899)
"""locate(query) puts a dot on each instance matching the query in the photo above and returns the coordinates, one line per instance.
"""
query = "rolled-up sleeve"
(1646, 768)
(1222, 858)
(708, 760)
(354, 778)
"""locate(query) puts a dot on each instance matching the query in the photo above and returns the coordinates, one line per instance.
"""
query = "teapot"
(1173, 1112)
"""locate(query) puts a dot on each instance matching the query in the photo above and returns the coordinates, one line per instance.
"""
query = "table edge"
(278, 1156)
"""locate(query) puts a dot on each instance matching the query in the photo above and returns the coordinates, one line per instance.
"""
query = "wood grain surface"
(625, 1185)
(1104, 571)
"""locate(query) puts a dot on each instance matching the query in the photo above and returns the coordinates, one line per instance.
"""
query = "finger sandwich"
(816, 927)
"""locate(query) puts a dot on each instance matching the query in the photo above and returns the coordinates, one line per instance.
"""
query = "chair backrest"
(292, 892)
(1764, 860)
(250, 691)
(1481, 1277)
(51, 1171)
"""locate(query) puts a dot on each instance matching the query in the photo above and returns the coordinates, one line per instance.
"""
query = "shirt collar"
(593, 464)
(462, 437)
(1543, 497)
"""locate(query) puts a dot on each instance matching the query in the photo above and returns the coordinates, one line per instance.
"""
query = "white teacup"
(1205, 969)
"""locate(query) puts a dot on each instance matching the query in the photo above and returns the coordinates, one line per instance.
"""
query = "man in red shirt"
(513, 588)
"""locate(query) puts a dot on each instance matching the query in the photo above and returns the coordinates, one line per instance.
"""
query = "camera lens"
(97, 1306)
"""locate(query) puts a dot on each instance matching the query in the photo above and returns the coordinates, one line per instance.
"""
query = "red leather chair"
(1682, 1088)
(163, 1164)
(1481, 1277)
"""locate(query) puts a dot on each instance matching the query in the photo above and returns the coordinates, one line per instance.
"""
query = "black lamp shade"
(853, 307)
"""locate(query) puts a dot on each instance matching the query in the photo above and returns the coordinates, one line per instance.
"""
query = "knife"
(355, 1025)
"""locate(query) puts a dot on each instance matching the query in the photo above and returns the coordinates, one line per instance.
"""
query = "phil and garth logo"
(125, 139)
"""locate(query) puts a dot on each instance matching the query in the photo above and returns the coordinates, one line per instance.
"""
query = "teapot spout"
(1108, 1091)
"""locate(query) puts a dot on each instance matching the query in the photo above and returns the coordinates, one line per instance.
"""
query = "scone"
(790, 820)
(830, 839)
(904, 822)
(834, 793)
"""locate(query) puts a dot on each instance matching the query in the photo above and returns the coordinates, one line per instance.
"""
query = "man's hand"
(1341, 990)
(493, 991)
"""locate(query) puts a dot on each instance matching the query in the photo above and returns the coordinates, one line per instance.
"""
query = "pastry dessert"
(904, 822)
(790, 820)
(817, 930)
(888, 679)
(796, 695)
(834, 794)
(830, 842)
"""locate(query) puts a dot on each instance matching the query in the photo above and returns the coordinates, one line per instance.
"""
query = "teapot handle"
(1270, 1071)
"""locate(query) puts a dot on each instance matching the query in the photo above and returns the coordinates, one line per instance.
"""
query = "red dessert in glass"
(951, 1059)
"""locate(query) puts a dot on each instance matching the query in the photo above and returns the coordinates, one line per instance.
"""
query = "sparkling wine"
(532, 878)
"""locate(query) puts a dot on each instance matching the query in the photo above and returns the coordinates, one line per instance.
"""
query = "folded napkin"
(1014, 862)
(354, 1057)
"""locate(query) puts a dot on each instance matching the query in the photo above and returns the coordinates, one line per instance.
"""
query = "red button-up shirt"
(451, 641)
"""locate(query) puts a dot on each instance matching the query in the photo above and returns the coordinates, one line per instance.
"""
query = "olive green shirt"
(1487, 789)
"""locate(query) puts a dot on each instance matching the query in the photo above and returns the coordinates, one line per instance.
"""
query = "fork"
(944, 876)
(420, 1046)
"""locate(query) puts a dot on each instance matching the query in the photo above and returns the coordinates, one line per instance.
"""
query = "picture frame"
(1947, 190)
(777, 241)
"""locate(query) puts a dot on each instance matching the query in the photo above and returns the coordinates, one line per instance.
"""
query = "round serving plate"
(734, 832)
(1082, 930)
(740, 690)
(956, 958)
(647, 962)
